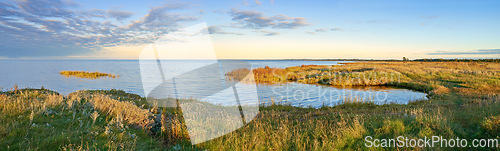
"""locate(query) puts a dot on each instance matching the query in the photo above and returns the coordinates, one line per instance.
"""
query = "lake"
(38, 73)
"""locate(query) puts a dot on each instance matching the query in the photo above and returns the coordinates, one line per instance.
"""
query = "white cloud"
(256, 20)
(268, 33)
(56, 28)
(257, 2)
(218, 30)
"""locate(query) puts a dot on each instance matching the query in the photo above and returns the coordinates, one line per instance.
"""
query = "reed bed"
(86, 74)
(125, 111)
(464, 102)
(94, 120)
(429, 77)
(40, 119)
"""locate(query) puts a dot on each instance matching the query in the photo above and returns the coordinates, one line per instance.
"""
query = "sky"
(253, 29)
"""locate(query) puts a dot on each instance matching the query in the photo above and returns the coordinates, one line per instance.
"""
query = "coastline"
(468, 106)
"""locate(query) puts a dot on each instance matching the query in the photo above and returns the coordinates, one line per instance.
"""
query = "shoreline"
(357, 116)
(354, 60)
(463, 102)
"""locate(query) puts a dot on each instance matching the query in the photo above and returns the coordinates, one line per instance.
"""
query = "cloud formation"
(336, 29)
(322, 30)
(268, 33)
(119, 14)
(475, 52)
(218, 30)
(256, 20)
(57, 28)
(257, 2)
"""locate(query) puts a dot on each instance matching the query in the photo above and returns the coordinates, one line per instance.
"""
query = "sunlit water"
(38, 73)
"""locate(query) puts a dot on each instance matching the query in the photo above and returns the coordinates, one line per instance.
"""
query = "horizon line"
(297, 59)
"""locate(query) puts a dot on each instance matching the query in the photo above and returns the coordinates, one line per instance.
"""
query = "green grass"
(428, 77)
(464, 102)
(345, 126)
(278, 127)
(38, 119)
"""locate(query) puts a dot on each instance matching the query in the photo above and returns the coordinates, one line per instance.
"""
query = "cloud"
(58, 28)
(310, 32)
(257, 2)
(245, 3)
(322, 30)
(256, 20)
(475, 52)
(218, 30)
(119, 14)
(336, 29)
(268, 33)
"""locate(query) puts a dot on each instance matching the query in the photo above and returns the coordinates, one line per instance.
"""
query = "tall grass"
(344, 127)
(39, 119)
(76, 122)
(464, 103)
(429, 77)
(125, 111)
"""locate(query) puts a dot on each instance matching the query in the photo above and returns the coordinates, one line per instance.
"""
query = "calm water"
(38, 73)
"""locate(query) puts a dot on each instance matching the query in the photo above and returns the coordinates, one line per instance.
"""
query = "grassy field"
(429, 77)
(463, 102)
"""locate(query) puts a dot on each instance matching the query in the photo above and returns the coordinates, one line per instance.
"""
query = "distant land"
(423, 60)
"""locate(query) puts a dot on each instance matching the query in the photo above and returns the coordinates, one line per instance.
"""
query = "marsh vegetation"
(429, 77)
(86, 74)
(464, 102)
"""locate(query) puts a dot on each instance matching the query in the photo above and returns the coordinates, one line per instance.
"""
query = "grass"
(39, 119)
(86, 74)
(429, 77)
(464, 103)
(345, 126)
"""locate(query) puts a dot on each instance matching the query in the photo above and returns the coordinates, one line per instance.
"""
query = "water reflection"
(308, 95)
(38, 73)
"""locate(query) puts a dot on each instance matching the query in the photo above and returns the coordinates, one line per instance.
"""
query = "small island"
(86, 74)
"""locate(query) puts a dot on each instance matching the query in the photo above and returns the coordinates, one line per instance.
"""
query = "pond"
(38, 73)
(313, 95)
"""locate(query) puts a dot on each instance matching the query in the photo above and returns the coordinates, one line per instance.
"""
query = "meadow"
(463, 102)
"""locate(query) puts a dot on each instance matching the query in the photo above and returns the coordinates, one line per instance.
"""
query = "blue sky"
(253, 29)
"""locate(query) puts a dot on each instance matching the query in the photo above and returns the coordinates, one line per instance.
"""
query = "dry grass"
(125, 111)
(491, 124)
(434, 77)
(18, 102)
(344, 127)
(39, 119)
(86, 74)
(464, 103)
(277, 127)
